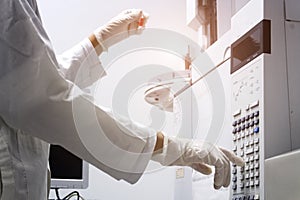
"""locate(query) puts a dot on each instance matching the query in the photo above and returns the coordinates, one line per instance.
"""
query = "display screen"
(251, 45)
(247, 48)
(64, 165)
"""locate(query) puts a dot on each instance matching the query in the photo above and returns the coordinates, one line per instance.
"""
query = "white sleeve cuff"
(81, 64)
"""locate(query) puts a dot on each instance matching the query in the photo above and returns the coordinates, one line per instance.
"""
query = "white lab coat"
(38, 104)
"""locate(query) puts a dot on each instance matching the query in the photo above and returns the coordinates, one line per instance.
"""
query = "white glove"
(198, 155)
(127, 23)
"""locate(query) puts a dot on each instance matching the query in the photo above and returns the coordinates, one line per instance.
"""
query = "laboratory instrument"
(262, 92)
(263, 80)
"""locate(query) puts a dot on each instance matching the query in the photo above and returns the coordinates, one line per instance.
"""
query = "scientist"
(37, 102)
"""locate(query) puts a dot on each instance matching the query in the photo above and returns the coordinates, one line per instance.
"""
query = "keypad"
(246, 139)
(246, 197)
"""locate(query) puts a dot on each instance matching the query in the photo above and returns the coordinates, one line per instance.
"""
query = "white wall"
(69, 21)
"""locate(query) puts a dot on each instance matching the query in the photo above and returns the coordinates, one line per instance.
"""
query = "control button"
(251, 158)
(256, 122)
(234, 123)
(256, 114)
(242, 145)
(249, 151)
(247, 167)
(234, 130)
(234, 179)
(243, 134)
(242, 177)
(239, 129)
(234, 148)
(242, 169)
(242, 153)
(247, 143)
(247, 125)
(251, 142)
(237, 112)
(254, 104)
(247, 117)
(256, 157)
(234, 171)
(247, 176)
(247, 184)
(234, 186)
(243, 127)
(256, 130)
(243, 119)
(241, 185)
(247, 133)
(256, 174)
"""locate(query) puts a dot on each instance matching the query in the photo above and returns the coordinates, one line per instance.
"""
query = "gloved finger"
(232, 157)
(226, 167)
(217, 187)
(133, 27)
(202, 168)
(227, 177)
(132, 15)
(219, 174)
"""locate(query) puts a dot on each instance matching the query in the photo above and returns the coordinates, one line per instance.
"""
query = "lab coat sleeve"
(37, 99)
(81, 64)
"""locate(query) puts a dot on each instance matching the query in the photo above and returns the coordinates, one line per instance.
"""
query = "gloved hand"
(200, 156)
(127, 23)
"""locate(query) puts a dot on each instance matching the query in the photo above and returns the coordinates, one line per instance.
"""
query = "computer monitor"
(67, 170)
